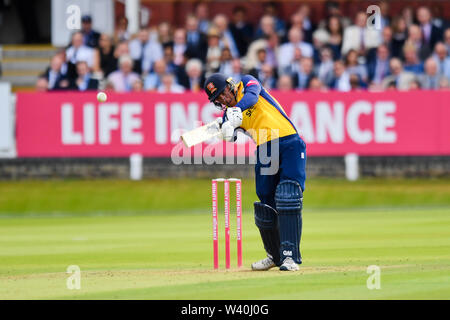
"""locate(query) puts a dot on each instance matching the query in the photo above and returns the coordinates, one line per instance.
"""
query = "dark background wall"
(175, 11)
(334, 167)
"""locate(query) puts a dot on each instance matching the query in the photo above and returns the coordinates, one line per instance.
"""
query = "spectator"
(121, 49)
(168, 85)
(164, 34)
(109, 86)
(271, 46)
(226, 38)
(179, 45)
(355, 83)
(41, 84)
(55, 78)
(154, 79)
(415, 38)
(398, 78)
(391, 86)
(137, 86)
(196, 43)
(169, 59)
(324, 70)
(202, 14)
(307, 25)
(437, 16)
(378, 69)
(266, 27)
(84, 80)
(144, 52)
(194, 75)
(444, 83)
(261, 60)
(359, 37)
(271, 9)
(341, 78)
(447, 40)
(320, 39)
(399, 35)
(272, 49)
(386, 39)
(122, 80)
(384, 14)
(225, 66)
(332, 10)
(104, 60)
(354, 67)
(296, 21)
(236, 70)
(64, 65)
(214, 51)
(303, 76)
(295, 65)
(442, 60)
(285, 83)
(335, 30)
(414, 85)
(408, 16)
(431, 80)
(77, 51)
(90, 36)
(241, 30)
(430, 33)
(267, 77)
(287, 50)
(121, 30)
(412, 62)
(316, 85)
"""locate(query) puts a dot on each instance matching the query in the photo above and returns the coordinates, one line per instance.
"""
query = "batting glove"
(234, 116)
(228, 131)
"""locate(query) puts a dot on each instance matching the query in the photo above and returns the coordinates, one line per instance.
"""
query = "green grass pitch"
(153, 240)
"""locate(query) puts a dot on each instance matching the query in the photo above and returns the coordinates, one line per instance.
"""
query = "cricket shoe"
(264, 264)
(289, 265)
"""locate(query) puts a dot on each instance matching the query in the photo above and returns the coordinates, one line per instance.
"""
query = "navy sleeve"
(252, 88)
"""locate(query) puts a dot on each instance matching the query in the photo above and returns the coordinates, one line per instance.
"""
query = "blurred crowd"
(408, 51)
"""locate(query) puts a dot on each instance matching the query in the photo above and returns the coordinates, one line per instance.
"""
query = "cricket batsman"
(278, 215)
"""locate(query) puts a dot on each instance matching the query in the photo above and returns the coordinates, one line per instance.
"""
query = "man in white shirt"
(442, 59)
(169, 85)
(226, 38)
(341, 81)
(359, 37)
(179, 46)
(123, 79)
(78, 52)
(144, 52)
(398, 77)
(431, 79)
(287, 50)
(154, 79)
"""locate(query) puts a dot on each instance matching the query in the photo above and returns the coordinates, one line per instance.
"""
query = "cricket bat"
(201, 134)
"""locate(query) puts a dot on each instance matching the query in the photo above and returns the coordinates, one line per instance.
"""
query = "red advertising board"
(335, 123)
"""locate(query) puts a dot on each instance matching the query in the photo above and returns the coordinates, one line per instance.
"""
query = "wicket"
(226, 184)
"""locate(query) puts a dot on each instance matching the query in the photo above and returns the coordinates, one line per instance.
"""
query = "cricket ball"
(101, 97)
